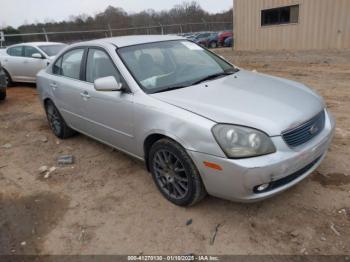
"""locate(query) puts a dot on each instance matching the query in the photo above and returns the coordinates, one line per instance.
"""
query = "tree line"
(116, 17)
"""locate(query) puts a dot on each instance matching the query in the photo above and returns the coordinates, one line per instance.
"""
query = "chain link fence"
(84, 35)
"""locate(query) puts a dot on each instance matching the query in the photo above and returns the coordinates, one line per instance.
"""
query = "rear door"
(13, 62)
(67, 87)
(31, 66)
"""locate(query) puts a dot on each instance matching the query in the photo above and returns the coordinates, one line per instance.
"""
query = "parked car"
(201, 38)
(212, 41)
(192, 37)
(186, 35)
(200, 124)
(228, 42)
(22, 62)
(223, 36)
(3, 84)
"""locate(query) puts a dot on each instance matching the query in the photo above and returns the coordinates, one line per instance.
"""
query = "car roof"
(38, 44)
(123, 41)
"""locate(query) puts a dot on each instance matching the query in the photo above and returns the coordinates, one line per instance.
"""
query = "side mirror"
(37, 55)
(108, 83)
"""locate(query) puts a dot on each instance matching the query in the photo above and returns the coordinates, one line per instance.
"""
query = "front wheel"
(175, 174)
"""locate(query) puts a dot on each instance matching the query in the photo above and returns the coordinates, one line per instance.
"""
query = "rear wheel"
(213, 45)
(56, 122)
(175, 174)
(8, 79)
(3, 94)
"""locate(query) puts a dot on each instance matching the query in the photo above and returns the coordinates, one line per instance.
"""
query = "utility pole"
(110, 30)
(162, 28)
(46, 36)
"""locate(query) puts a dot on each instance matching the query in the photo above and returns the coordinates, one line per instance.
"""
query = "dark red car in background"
(222, 36)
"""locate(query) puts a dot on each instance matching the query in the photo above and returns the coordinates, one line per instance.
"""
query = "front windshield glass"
(52, 50)
(172, 64)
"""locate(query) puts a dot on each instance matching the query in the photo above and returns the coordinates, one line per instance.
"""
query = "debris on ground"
(48, 173)
(334, 229)
(303, 251)
(212, 239)
(294, 233)
(23, 243)
(43, 139)
(189, 222)
(65, 160)
(43, 169)
(6, 146)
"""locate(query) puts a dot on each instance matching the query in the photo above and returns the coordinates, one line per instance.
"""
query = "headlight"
(241, 142)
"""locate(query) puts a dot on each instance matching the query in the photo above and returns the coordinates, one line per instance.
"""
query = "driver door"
(109, 115)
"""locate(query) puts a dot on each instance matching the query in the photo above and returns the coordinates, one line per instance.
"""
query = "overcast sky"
(17, 12)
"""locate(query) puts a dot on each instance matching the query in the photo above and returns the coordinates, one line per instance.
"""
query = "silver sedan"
(22, 62)
(200, 124)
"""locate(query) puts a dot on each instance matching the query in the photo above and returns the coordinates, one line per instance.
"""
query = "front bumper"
(283, 169)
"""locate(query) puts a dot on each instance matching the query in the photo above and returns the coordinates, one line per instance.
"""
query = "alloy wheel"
(170, 174)
(54, 119)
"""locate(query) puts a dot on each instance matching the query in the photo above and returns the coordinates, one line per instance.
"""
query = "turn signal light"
(212, 165)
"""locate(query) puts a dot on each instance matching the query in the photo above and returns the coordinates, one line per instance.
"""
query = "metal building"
(291, 24)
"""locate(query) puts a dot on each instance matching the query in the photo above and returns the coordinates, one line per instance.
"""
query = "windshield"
(168, 65)
(52, 50)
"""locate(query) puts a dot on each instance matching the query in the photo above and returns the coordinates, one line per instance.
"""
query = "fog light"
(262, 187)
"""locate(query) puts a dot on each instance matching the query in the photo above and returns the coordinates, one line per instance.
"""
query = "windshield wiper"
(213, 76)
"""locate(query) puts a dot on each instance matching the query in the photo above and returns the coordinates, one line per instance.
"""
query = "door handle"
(85, 95)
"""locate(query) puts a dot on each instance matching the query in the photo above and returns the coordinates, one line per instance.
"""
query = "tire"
(9, 81)
(175, 174)
(213, 45)
(57, 123)
(3, 95)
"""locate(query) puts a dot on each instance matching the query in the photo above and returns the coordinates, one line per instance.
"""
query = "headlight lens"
(241, 142)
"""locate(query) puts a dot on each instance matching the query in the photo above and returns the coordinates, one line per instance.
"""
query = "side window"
(71, 63)
(57, 67)
(100, 65)
(15, 51)
(29, 51)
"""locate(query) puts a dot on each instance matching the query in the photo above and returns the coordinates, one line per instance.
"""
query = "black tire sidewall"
(3, 95)
(191, 170)
(61, 133)
(8, 79)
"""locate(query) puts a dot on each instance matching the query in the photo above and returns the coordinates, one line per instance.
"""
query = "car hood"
(267, 103)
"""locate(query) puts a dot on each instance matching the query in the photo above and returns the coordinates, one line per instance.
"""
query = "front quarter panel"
(193, 132)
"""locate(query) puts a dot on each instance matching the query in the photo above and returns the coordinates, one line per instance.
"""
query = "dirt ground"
(106, 202)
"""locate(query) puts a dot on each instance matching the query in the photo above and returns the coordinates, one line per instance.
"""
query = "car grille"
(305, 132)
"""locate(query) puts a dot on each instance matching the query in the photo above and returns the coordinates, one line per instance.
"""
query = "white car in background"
(22, 62)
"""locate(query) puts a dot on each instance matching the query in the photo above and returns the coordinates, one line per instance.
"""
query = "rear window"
(15, 51)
